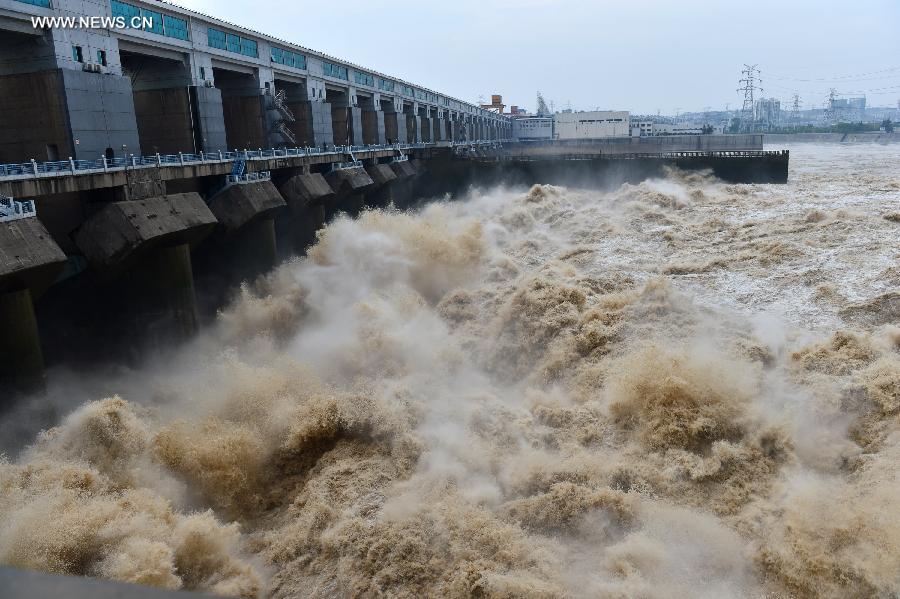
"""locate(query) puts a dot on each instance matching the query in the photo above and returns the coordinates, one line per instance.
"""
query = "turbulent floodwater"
(678, 388)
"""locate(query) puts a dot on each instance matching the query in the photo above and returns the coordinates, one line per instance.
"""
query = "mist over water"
(678, 388)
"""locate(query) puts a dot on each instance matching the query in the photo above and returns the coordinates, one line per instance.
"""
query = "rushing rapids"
(677, 388)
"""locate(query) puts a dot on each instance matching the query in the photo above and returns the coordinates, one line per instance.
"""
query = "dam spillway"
(121, 235)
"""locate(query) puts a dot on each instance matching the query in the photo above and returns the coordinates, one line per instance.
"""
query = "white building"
(532, 128)
(591, 125)
(641, 128)
(649, 128)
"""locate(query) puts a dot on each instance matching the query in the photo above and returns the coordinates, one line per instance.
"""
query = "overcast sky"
(638, 55)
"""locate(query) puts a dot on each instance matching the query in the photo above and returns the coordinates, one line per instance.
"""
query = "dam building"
(147, 170)
(186, 82)
(131, 164)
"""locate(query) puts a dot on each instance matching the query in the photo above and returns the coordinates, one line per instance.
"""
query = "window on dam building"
(232, 43)
(386, 85)
(334, 70)
(162, 24)
(44, 3)
(364, 79)
(288, 58)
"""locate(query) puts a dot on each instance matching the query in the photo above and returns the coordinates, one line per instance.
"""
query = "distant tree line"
(885, 125)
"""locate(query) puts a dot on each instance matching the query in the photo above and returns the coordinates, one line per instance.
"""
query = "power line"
(837, 78)
(873, 90)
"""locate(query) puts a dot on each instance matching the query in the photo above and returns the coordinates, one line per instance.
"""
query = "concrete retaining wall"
(868, 137)
(649, 145)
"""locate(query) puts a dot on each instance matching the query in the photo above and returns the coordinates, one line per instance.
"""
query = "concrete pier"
(20, 343)
(306, 196)
(300, 191)
(162, 301)
(29, 258)
(142, 249)
(29, 261)
(345, 181)
(254, 248)
(403, 169)
(240, 203)
(384, 177)
(381, 174)
(246, 213)
(121, 232)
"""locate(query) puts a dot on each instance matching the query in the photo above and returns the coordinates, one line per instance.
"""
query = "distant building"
(533, 128)
(496, 104)
(641, 128)
(856, 103)
(645, 128)
(591, 125)
(848, 109)
(767, 113)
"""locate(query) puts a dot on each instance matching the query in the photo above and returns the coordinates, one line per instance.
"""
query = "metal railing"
(12, 210)
(34, 169)
(249, 177)
(343, 165)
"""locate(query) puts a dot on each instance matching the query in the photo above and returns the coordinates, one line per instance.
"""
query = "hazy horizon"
(645, 57)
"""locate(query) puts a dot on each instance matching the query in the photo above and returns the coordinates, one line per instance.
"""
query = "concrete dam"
(147, 172)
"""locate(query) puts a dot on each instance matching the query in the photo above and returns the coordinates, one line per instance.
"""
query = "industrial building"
(496, 104)
(532, 128)
(591, 125)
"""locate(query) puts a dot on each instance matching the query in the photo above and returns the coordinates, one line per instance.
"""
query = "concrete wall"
(313, 125)
(33, 117)
(652, 145)
(208, 118)
(244, 122)
(101, 114)
(412, 128)
(533, 128)
(591, 125)
(340, 126)
(874, 136)
(81, 114)
(26, 53)
(390, 127)
(164, 120)
(370, 126)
